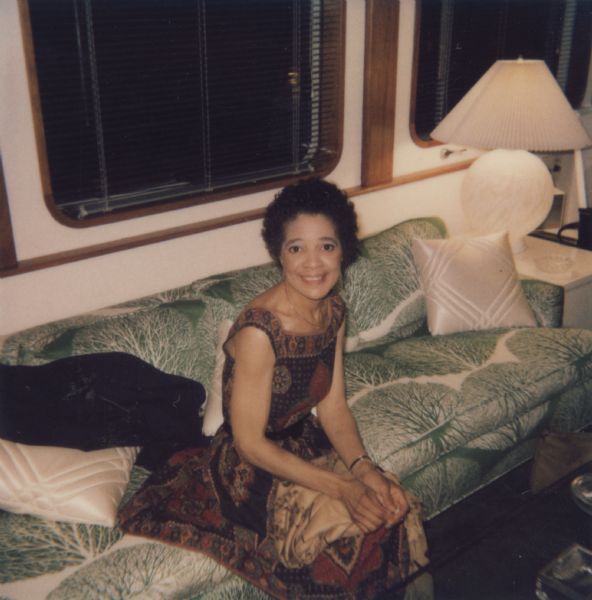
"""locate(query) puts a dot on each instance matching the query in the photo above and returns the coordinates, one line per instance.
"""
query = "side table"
(542, 260)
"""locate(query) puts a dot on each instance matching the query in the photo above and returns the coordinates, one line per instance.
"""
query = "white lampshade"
(516, 106)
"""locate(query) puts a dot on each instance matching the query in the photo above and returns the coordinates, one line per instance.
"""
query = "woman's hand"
(362, 504)
(390, 495)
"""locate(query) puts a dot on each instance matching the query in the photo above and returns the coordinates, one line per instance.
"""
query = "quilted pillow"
(64, 484)
(470, 283)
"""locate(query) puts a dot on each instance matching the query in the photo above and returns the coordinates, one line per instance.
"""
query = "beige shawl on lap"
(305, 522)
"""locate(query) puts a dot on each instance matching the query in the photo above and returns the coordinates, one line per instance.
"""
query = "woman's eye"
(294, 249)
(329, 247)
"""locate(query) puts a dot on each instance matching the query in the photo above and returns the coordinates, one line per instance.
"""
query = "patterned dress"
(213, 501)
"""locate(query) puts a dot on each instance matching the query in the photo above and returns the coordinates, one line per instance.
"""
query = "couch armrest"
(546, 301)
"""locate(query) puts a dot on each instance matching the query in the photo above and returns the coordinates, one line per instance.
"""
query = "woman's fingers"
(363, 505)
(391, 497)
(381, 486)
(367, 520)
(370, 509)
(399, 500)
(377, 501)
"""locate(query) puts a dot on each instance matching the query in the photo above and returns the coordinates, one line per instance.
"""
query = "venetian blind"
(152, 101)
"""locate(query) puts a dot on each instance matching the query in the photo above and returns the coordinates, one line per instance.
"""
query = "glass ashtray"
(581, 491)
(568, 576)
(554, 263)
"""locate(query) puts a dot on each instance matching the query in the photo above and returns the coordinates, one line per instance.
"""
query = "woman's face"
(311, 256)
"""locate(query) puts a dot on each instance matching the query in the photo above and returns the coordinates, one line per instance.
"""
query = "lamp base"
(507, 190)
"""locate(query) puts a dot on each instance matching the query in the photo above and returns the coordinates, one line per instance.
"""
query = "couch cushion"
(447, 413)
(382, 290)
(64, 484)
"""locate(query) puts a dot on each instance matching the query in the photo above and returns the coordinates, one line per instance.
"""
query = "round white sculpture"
(507, 190)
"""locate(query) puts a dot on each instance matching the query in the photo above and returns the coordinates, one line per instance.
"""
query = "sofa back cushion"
(176, 330)
(382, 289)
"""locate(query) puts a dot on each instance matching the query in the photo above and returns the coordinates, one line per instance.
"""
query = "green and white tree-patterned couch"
(448, 413)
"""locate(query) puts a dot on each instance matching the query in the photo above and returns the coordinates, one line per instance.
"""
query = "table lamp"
(516, 106)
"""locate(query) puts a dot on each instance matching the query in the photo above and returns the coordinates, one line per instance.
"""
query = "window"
(459, 40)
(146, 103)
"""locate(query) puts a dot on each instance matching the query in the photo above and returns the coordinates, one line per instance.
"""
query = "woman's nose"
(312, 258)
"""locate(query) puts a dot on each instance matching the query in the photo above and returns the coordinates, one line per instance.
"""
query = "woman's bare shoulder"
(253, 327)
(269, 300)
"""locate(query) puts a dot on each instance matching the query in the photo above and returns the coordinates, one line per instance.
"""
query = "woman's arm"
(340, 426)
(335, 415)
(249, 413)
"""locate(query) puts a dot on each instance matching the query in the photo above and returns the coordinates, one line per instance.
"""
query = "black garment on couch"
(98, 401)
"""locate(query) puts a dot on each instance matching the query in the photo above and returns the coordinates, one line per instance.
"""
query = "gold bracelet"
(356, 460)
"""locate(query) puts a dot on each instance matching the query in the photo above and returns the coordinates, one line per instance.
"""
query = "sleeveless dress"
(213, 501)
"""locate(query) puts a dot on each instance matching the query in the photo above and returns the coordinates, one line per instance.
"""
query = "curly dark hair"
(312, 197)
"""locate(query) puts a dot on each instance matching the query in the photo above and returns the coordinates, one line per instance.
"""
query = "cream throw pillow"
(212, 416)
(64, 484)
(471, 283)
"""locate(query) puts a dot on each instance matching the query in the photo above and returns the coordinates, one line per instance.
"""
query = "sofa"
(449, 413)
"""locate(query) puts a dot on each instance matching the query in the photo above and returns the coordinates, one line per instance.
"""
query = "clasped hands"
(373, 500)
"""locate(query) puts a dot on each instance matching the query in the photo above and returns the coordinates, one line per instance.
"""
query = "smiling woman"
(290, 501)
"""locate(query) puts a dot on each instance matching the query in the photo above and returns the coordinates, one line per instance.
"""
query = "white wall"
(45, 295)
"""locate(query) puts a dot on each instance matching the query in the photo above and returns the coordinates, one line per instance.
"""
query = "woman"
(290, 501)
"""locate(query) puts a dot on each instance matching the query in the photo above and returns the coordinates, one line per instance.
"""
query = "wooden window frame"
(200, 199)
(228, 191)
(378, 137)
(380, 75)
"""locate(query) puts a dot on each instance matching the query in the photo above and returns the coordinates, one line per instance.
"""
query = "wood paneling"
(411, 178)
(61, 258)
(380, 74)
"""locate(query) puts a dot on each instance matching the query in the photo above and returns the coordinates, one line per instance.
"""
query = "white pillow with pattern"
(64, 484)
(470, 283)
